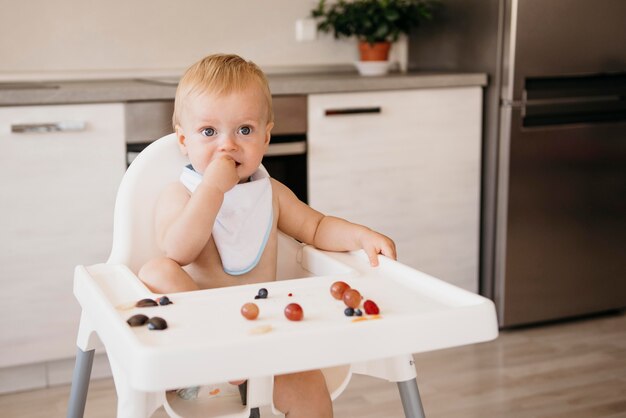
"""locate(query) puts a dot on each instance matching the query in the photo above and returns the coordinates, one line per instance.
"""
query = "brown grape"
(293, 312)
(352, 298)
(250, 311)
(337, 289)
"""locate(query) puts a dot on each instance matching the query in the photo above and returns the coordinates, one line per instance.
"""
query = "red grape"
(250, 311)
(370, 307)
(293, 312)
(337, 289)
(352, 298)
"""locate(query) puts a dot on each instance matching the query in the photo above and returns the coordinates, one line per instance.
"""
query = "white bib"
(243, 223)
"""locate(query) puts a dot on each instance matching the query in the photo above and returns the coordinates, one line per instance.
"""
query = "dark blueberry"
(348, 312)
(143, 303)
(358, 312)
(137, 320)
(164, 300)
(156, 323)
(262, 293)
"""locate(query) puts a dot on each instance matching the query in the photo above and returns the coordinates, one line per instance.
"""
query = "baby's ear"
(180, 136)
(268, 132)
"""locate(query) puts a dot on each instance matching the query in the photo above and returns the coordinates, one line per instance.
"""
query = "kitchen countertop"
(126, 90)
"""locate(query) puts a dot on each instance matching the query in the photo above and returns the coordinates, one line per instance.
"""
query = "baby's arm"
(184, 223)
(328, 232)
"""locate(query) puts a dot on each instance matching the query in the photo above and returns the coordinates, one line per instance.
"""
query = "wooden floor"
(574, 369)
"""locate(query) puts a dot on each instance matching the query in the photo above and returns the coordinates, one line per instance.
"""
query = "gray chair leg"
(411, 401)
(243, 392)
(80, 384)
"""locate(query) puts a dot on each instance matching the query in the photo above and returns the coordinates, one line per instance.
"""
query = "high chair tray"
(417, 313)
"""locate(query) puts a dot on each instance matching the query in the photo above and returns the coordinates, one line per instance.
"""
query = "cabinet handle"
(63, 126)
(352, 111)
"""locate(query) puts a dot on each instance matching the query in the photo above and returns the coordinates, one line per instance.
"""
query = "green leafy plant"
(373, 20)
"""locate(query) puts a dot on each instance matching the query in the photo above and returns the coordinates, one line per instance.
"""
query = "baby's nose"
(228, 143)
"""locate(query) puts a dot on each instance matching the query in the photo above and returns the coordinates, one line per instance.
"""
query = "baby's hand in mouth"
(222, 172)
(228, 157)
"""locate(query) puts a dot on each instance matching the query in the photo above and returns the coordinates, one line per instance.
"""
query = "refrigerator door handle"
(571, 100)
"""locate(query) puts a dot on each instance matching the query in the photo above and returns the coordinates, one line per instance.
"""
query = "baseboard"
(51, 373)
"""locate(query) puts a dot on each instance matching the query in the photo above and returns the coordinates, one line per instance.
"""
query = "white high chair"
(208, 341)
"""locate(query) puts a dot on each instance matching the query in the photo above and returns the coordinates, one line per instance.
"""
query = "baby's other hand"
(222, 173)
(374, 243)
(237, 382)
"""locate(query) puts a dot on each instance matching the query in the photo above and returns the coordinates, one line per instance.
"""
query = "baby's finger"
(227, 158)
(372, 254)
(389, 250)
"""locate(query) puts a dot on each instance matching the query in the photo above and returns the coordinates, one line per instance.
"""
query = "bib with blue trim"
(243, 223)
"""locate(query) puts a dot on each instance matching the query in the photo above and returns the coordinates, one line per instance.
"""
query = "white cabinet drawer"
(407, 164)
(57, 193)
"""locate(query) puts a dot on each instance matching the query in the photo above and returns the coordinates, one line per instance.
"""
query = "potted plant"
(376, 24)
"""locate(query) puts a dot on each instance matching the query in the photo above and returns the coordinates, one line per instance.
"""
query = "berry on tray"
(370, 307)
(144, 303)
(137, 320)
(164, 300)
(352, 298)
(294, 312)
(250, 311)
(156, 323)
(357, 312)
(262, 294)
(337, 289)
(348, 312)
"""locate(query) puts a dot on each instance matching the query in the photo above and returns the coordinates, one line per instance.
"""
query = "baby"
(218, 226)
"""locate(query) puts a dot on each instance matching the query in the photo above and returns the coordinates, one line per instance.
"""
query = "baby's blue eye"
(245, 130)
(208, 132)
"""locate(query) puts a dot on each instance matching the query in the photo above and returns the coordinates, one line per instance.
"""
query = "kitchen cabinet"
(407, 164)
(60, 167)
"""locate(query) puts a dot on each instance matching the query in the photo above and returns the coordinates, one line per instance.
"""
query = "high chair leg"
(243, 392)
(133, 403)
(80, 383)
(410, 396)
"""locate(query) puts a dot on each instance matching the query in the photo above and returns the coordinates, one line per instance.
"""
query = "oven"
(285, 159)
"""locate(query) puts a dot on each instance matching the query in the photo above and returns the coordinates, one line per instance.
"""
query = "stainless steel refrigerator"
(553, 221)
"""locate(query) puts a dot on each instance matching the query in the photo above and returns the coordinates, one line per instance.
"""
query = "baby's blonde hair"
(220, 74)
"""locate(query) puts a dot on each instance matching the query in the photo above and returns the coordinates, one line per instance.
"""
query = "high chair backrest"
(134, 240)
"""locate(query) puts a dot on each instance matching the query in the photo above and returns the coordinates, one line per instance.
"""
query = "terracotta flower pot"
(378, 51)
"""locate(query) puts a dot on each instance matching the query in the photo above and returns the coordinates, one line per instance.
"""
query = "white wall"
(54, 38)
